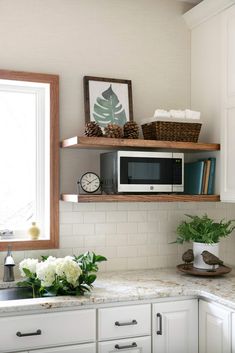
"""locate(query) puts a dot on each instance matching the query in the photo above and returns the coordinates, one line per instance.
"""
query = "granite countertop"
(126, 286)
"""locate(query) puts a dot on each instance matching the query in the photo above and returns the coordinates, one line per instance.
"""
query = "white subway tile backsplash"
(148, 227)
(131, 235)
(94, 217)
(71, 241)
(66, 229)
(94, 240)
(127, 251)
(127, 228)
(116, 216)
(137, 239)
(105, 228)
(83, 229)
(71, 217)
(136, 263)
(117, 264)
(83, 207)
(116, 239)
(137, 216)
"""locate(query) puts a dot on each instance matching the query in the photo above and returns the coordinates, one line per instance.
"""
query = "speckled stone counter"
(134, 285)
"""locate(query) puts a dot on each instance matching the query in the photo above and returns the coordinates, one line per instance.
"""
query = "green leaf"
(109, 110)
(27, 272)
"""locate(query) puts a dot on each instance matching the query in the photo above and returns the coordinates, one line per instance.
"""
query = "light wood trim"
(140, 198)
(53, 80)
(113, 143)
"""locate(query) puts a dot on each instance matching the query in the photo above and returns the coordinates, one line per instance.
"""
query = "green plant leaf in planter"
(108, 110)
(203, 230)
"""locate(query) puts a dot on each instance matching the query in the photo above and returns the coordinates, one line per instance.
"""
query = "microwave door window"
(146, 170)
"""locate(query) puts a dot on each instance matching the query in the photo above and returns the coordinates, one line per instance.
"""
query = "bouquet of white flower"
(70, 275)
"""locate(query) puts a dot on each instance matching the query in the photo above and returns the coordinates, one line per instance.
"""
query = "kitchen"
(173, 62)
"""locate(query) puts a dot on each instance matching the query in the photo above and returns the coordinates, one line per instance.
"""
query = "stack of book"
(199, 177)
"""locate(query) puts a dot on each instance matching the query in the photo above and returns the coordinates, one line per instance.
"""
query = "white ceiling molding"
(205, 10)
(194, 2)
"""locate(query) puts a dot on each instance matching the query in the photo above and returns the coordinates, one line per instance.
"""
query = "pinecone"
(113, 130)
(93, 130)
(131, 130)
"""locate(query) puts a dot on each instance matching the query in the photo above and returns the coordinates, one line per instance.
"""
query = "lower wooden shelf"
(140, 198)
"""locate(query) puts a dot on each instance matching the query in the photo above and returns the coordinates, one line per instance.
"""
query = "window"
(29, 158)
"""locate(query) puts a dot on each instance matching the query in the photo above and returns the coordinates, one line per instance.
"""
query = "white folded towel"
(161, 113)
(191, 114)
(177, 114)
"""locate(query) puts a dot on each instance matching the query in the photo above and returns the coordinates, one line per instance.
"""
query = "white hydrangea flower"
(46, 272)
(50, 259)
(29, 264)
(68, 268)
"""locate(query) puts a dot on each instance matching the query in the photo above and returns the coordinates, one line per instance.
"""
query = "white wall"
(145, 41)
(142, 40)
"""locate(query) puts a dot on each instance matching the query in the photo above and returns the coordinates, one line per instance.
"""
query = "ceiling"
(195, 2)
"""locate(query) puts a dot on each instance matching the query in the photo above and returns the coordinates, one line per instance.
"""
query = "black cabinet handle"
(37, 333)
(133, 322)
(133, 345)
(159, 332)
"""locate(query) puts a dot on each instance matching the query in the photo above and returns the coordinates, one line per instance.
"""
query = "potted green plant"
(205, 234)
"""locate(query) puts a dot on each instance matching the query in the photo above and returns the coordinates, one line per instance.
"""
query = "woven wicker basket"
(171, 131)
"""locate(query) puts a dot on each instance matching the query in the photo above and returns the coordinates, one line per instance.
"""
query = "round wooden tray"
(221, 270)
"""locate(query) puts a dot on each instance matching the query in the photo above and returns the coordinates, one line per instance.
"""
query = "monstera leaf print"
(108, 110)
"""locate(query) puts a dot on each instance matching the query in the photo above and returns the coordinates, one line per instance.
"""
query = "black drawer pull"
(37, 333)
(133, 322)
(133, 345)
(159, 332)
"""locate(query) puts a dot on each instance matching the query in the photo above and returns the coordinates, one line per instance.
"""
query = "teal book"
(211, 182)
(193, 177)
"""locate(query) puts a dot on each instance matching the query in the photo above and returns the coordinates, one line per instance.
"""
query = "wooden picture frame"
(107, 100)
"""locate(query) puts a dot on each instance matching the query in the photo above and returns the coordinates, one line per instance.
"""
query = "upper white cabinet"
(228, 106)
(214, 328)
(212, 25)
(175, 327)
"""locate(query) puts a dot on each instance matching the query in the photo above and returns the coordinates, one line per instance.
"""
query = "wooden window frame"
(53, 81)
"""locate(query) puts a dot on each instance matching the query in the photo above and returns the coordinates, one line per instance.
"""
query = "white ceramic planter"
(198, 248)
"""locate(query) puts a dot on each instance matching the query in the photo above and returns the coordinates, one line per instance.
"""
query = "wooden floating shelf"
(113, 143)
(140, 198)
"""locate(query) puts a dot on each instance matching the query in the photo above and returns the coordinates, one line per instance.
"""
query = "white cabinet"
(119, 327)
(214, 328)
(135, 345)
(175, 327)
(81, 348)
(233, 332)
(125, 321)
(34, 331)
(228, 106)
(213, 83)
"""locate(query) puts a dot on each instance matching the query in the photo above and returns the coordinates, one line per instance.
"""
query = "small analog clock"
(90, 182)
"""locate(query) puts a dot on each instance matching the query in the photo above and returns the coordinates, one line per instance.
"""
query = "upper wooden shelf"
(113, 143)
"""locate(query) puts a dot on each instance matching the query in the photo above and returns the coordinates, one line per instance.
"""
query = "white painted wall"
(145, 41)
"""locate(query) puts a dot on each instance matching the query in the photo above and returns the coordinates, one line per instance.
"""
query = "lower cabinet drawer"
(81, 348)
(45, 330)
(130, 345)
(125, 321)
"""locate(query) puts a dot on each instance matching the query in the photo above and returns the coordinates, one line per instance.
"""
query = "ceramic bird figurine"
(211, 259)
(188, 257)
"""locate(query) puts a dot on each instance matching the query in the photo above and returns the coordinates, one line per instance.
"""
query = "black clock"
(89, 182)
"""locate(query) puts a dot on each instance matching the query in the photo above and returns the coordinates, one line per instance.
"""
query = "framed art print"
(107, 100)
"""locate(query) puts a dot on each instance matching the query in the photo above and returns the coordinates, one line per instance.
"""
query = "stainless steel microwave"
(141, 172)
